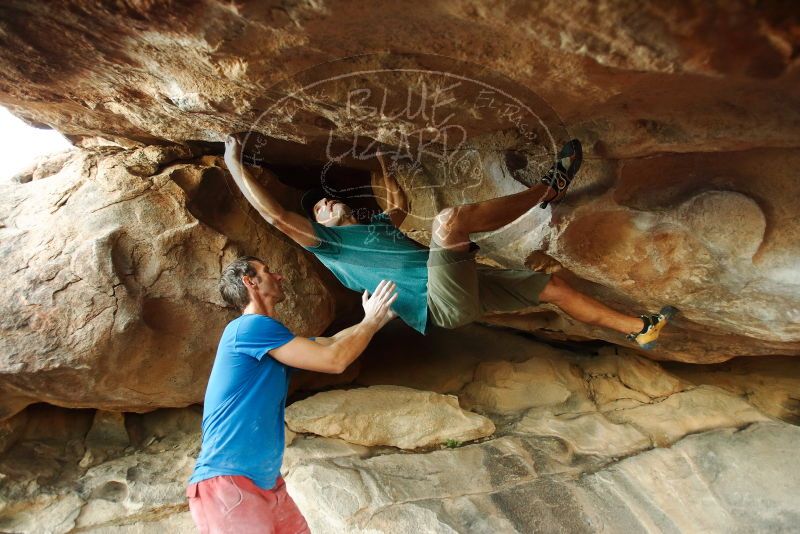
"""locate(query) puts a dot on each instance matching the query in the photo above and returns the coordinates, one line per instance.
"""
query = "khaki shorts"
(460, 291)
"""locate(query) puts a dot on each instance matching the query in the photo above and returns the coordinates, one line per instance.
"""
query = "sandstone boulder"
(619, 378)
(673, 241)
(506, 493)
(683, 199)
(643, 375)
(109, 71)
(688, 412)
(320, 448)
(140, 489)
(590, 433)
(110, 269)
(443, 361)
(689, 115)
(506, 387)
(387, 415)
(700, 484)
(770, 384)
(609, 393)
(698, 456)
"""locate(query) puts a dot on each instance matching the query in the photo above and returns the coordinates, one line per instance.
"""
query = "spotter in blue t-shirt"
(244, 404)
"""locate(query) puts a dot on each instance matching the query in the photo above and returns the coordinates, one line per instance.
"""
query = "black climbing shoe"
(563, 171)
(653, 324)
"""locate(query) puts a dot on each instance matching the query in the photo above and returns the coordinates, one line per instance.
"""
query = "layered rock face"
(694, 76)
(387, 415)
(575, 441)
(110, 279)
(688, 114)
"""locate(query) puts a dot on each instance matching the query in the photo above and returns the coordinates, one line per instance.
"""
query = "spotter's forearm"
(347, 345)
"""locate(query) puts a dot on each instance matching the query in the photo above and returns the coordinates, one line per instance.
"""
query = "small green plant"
(452, 443)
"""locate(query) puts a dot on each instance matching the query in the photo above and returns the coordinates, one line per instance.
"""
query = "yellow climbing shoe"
(653, 324)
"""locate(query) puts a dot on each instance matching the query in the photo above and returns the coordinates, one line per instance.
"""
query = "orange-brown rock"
(688, 113)
(638, 79)
(110, 270)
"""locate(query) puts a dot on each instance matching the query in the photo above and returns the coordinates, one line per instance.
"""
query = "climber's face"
(330, 212)
(265, 284)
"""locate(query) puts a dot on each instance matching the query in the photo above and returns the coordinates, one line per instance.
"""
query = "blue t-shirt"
(244, 404)
(361, 255)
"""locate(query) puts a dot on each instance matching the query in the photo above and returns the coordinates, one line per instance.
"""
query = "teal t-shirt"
(361, 255)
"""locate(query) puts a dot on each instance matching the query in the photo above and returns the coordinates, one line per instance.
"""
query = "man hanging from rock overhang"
(443, 285)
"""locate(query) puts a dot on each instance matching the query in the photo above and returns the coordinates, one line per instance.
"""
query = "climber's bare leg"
(451, 232)
(452, 226)
(586, 309)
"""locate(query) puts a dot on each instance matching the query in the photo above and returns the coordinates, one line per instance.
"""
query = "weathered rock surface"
(689, 116)
(198, 69)
(141, 489)
(682, 458)
(770, 384)
(556, 466)
(387, 415)
(514, 485)
(688, 412)
(110, 270)
(442, 360)
(586, 434)
(505, 387)
(731, 494)
(709, 234)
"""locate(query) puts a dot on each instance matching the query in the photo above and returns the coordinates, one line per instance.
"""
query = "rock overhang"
(684, 197)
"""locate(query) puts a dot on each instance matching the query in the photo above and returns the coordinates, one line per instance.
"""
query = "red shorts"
(233, 504)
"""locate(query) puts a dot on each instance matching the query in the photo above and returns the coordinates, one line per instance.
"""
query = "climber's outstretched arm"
(294, 225)
(385, 185)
